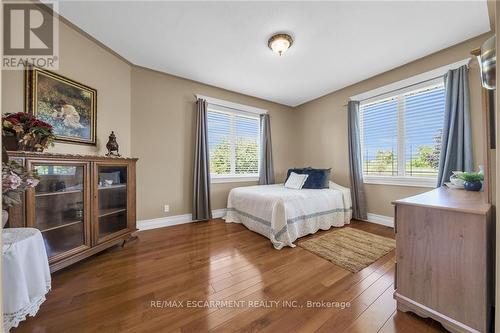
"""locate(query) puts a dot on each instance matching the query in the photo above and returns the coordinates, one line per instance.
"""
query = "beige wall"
(152, 114)
(160, 129)
(323, 124)
(163, 139)
(86, 62)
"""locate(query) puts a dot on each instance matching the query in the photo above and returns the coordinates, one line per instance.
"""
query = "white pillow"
(296, 181)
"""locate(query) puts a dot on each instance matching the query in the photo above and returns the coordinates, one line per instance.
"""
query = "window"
(401, 136)
(233, 141)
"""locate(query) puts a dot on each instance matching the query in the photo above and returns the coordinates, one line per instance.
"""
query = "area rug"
(349, 248)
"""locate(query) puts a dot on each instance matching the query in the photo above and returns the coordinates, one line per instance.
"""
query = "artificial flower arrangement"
(15, 180)
(22, 131)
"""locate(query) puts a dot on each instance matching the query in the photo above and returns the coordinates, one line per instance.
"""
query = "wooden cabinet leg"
(130, 238)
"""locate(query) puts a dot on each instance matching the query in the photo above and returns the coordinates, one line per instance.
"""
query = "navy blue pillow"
(317, 178)
(296, 170)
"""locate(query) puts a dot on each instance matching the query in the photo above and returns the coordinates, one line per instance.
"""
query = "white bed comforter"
(283, 215)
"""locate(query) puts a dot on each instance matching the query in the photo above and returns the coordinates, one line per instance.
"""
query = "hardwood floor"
(128, 289)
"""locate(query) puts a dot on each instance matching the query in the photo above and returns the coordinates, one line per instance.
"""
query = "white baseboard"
(168, 221)
(381, 219)
(218, 213)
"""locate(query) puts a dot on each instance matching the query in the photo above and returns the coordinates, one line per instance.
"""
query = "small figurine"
(112, 145)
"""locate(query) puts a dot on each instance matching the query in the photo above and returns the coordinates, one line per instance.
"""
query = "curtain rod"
(441, 70)
(394, 90)
(230, 105)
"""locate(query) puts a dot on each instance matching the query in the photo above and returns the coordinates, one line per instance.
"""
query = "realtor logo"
(30, 35)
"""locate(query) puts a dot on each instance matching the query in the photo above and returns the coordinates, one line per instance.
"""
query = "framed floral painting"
(70, 107)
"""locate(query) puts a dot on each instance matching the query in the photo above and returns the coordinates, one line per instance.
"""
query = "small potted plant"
(22, 131)
(15, 180)
(472, 180)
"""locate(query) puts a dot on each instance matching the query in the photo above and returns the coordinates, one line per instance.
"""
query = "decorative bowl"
(473, 186)
(455, 180)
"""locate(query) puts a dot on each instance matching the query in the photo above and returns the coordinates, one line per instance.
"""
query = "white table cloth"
(26, 274)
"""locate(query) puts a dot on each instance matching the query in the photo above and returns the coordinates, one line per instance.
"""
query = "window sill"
(233, 179)
(401, 181)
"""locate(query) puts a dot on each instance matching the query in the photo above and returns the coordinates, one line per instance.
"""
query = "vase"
(5, 217)
(10, 143)
(35, 143)
(472, 186)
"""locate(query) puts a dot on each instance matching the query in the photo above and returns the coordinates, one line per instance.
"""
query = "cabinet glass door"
(112, 204)
(59, 208)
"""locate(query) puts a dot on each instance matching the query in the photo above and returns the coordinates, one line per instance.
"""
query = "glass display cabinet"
(111, 200)
(82, 205)
(59, 207)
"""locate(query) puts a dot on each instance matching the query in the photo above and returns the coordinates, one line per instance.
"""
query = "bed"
(283, 215)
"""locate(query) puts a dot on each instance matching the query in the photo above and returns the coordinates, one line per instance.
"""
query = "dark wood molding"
(32, 154)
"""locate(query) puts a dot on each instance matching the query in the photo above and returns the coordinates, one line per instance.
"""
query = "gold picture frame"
(70, 107)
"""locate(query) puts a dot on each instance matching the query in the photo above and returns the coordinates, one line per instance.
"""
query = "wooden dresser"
(444, 254)
(82, 205)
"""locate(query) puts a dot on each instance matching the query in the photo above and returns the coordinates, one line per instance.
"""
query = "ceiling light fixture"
(280, 43)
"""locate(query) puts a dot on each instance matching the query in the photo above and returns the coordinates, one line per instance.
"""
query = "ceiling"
(225, 43)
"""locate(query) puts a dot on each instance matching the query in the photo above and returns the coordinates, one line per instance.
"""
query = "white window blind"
(380, 137)
(233, 139)
(401, 135)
